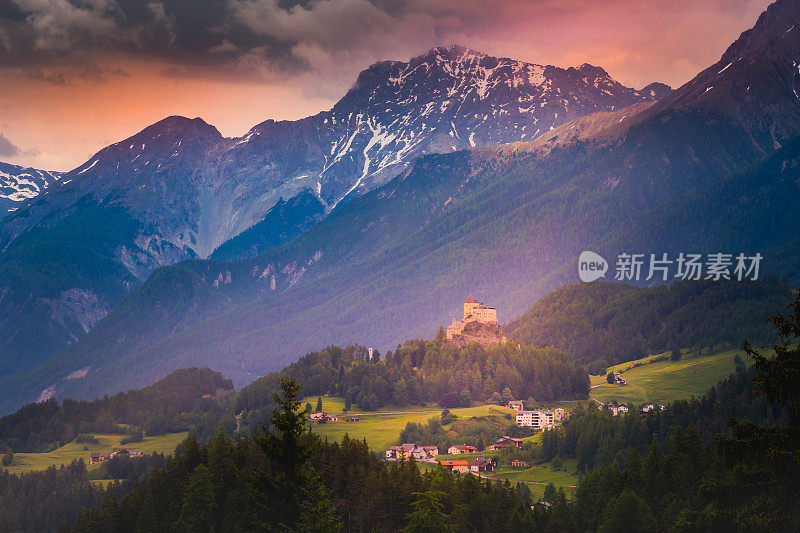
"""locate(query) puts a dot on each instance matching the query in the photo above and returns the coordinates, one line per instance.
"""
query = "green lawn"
(330, 404)
(335, 404)
(666, 381)
(26, 462)
(538, 476)
(382, 430)
(622, 367)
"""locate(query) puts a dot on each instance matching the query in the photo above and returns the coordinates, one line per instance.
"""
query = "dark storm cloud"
(7, 148)
(46, 33)
(273, 38)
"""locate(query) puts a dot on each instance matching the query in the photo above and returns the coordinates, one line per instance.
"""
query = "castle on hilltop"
(474, 311)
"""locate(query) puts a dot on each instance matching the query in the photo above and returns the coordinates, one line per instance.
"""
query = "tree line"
(602, 324)
(284, 478)
(178, 402)
(420, 372)
(746, 479)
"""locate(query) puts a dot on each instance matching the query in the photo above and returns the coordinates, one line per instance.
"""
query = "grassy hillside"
(382, 430)
(603, 324)
(665, 381)
(27, 462)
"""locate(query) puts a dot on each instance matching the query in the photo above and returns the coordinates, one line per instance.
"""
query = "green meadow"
(538, 476)
(667, 381)
(27, 462)
(382, 429)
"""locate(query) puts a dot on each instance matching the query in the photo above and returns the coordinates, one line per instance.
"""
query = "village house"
(482, 464)
(100, 457)
(425, 453)
(539, 419)
(456, 466)
(618, 379)
(516, 405)
(333, 418)
(317, 416)
(541, 505)
(474, 311)
(506, 442)
(517, 462)
(129, 453)
(409, 450)
(97, 458)
(400, 453)
(617, 409)
(461, 448)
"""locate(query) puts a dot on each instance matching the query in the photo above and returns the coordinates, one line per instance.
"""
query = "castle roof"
(471, 300)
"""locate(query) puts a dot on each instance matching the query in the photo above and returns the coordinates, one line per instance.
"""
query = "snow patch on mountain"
(18, 184)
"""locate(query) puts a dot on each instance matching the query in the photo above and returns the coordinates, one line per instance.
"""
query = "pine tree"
(199, 503)
(319, 405)
(628, 513)
(287, 494)
(427, 513)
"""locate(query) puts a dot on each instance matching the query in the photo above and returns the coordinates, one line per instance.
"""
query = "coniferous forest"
(726, 460)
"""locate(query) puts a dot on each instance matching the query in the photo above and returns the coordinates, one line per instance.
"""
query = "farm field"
(382, 429)
(538, 476)
(666, 381)
(27, 462)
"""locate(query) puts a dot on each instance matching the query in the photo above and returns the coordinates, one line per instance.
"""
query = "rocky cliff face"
(479, 332)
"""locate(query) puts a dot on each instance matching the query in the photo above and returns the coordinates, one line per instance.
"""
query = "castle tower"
(470, 306)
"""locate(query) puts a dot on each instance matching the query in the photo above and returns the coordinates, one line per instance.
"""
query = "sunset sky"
(77, 75)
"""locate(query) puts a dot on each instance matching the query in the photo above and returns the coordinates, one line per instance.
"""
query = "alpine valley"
(453, 173)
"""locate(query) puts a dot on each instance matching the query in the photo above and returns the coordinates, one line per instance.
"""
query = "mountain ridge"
(396, 261)
(185, 190)
(440, 101)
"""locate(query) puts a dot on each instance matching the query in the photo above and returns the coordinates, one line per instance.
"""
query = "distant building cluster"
(506, 442)
(537, 419)
(476, 466)
(404, 452)
(650, 407)
(456, 449)
(540, 419)
(100, 457)
(474, 311)
(320, 416)
(617, 409)
(623, 408)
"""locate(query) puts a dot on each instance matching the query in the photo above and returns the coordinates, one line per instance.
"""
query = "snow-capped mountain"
(18, 184)
(446, 100)
(193, 189)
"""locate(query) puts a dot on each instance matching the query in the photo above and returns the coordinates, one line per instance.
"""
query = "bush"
(136, 436)
(86, 438)
(7, 458)
(449, 399)
(675, 354)
(448, 417)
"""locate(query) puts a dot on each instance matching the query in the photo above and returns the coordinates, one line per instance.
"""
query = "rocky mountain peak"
(775, 36)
